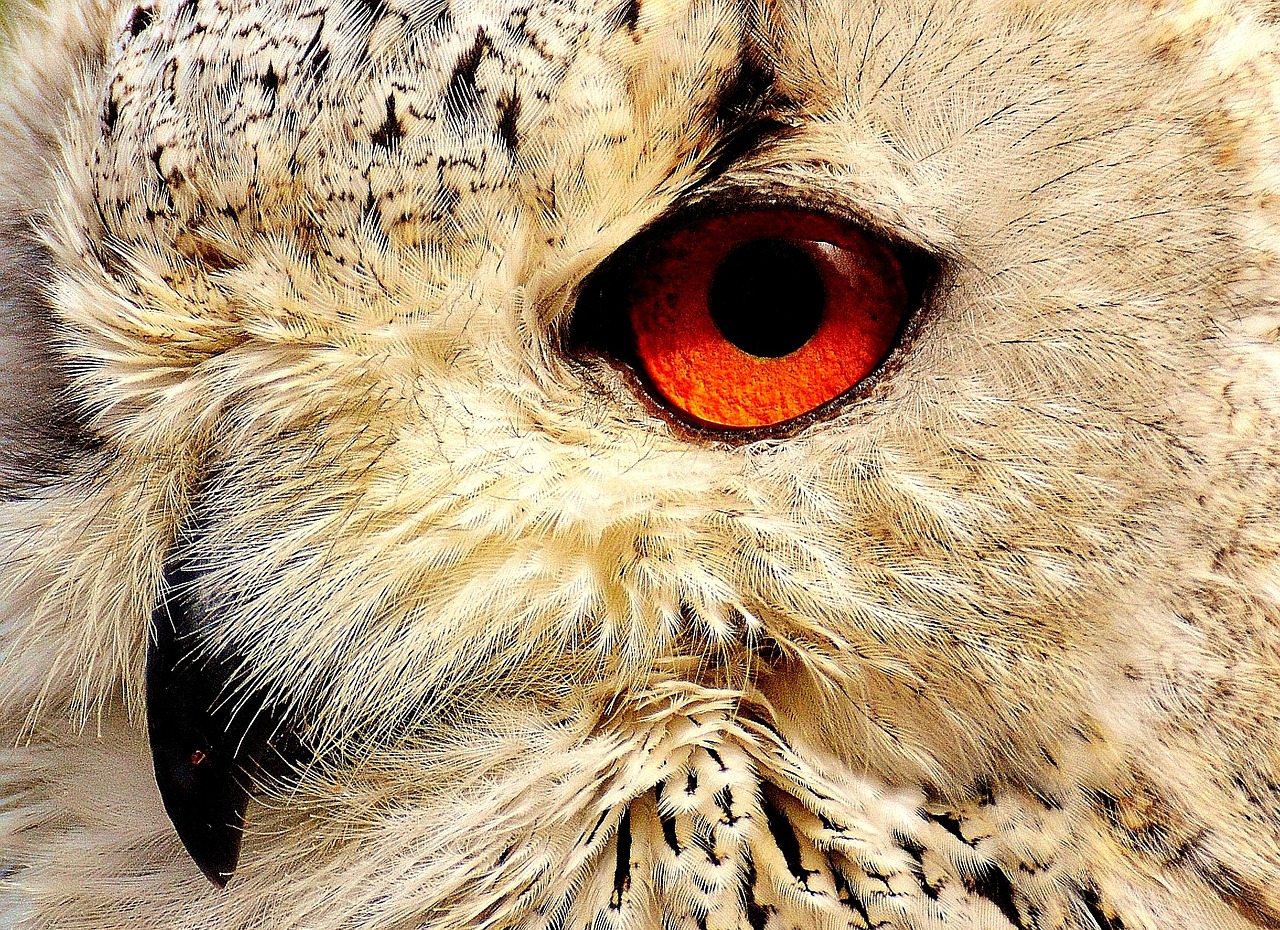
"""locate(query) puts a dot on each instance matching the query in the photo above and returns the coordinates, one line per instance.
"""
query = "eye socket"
(749, 319)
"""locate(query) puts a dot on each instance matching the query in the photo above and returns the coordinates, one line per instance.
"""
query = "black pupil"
(767, 297)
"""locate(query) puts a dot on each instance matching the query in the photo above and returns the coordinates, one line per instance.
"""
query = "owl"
(640, 465)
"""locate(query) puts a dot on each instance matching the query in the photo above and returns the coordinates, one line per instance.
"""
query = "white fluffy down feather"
(490, 637)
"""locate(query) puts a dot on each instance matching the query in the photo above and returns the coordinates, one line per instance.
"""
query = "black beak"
(208, 740)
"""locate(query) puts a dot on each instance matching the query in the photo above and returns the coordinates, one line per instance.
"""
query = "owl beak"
(207, 743)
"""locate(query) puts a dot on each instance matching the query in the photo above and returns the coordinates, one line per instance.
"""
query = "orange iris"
(752, 319)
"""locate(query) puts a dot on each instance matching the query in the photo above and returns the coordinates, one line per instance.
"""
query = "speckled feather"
(995, 643)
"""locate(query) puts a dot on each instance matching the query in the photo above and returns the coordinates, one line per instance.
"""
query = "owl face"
(670, 463)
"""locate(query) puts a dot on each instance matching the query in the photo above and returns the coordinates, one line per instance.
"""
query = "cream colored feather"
(284, 292)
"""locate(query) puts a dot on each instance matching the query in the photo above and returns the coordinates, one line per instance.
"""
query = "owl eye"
(750, 319)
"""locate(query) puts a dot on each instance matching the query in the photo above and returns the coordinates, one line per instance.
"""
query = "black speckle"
(111, 113)
(950, 824)
(599, 823)
(724, 800)
(508, 118)
(316, 55)
(625, 16)
(848, 897)
(139, 21)
(669, 832)
(785, 836)
(374, 10)
(270, 81)
(916, 852)
(389, 134)
(1094, 907)
(706, 841)
(993, 885)
(622, 867)
(757, 915)
(739, 100)
(188, 8)
(691, 781)
(461, 96)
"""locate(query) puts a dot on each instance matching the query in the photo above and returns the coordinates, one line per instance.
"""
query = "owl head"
(521, 464)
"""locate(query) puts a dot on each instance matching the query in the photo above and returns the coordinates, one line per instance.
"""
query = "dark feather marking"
(560, 914)
(316, 55)
(509, 106)
(666, 820)
(156, 155)
(111, 113)
(669, 832)
(846, 894)
(389, 134)
(950, 824)
(447, 196)
(757, 915)
(1093, 905)
(785, 835)
(916, 852)
(596, 829)
(270, 81)
(622, 868)
(724, 800)
(741, 113)
(626, 15)
(374, 10)
(984, 792)
(706, 841)
(140, 20)
(462, 96)
(993, 884)
(742, 98)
